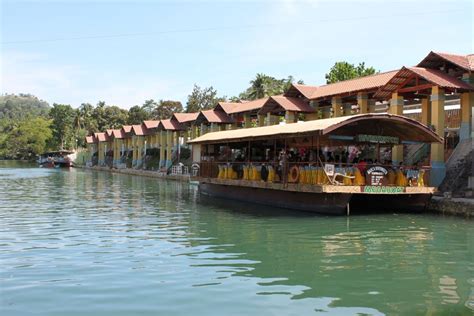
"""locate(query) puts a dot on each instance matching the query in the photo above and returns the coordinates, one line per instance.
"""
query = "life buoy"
(294, 174)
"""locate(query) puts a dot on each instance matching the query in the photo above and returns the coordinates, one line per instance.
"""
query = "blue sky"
(124, 52)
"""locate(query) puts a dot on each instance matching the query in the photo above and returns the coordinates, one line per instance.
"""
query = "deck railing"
(317, 173)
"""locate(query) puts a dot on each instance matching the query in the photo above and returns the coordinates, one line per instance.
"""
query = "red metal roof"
(151, 124)
(90, 139)
(433, 76)
(169, 125)
(118, 133)
(248, 106)
(101, 137)
(138, 130)
(353, 86)
(127, 128)
(185, 117)
(227, 106)
(465, 62)
(305, 90)
(213, 116)
(279, 103)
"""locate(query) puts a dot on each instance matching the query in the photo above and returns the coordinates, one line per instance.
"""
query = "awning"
(404, 128)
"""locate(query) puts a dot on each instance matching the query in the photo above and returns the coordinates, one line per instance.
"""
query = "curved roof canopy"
(404, 128)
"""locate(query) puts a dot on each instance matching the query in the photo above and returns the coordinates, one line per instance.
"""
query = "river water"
(92, 243)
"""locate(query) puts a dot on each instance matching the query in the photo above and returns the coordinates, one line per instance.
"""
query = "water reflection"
(145, 245)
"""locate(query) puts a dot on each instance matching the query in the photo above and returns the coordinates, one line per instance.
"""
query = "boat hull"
(380, 203)
(333, 204)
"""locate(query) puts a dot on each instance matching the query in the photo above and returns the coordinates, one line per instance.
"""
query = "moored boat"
(331, 166)
(56, 159)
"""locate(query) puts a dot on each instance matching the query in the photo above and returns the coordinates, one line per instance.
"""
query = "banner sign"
(363, 138)
(382, 189)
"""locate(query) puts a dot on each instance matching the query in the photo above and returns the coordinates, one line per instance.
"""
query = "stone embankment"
(452, 206)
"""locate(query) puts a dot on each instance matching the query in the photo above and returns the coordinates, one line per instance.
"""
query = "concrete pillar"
(169, 148)
(396, 107)
(363, 103)
(271, 119)
(438, 167)
(247, 120)
(290, 117)
(425, 111)
(326, 112)
(336, 106)
(347, 109)
(139, 147)
(162, 148)
(185, 137)
(467, 102)
(261, 120)
(134, 151)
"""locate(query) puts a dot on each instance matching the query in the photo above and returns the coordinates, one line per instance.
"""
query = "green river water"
(92, 243)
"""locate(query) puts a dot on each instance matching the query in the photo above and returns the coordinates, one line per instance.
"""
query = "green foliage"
(344, 71)
(264, 86)
(19, 107)
(137, 114)
(202, 99)
(26, 140)
(165, 109)
(62, 116)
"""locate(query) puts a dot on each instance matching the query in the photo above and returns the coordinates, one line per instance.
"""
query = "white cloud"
(71, 84)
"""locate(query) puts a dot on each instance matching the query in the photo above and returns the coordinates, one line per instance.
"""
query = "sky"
(126, 52)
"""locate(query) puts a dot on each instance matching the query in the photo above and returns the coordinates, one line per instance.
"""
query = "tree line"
(30, 126)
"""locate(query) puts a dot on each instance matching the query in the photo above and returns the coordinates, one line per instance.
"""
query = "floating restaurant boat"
(330, 166)
(55, 159)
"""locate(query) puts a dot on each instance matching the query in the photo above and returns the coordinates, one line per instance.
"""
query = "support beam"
(425, 111)
(438, 167)
(396, 107)
(336, 106)
(363, 102)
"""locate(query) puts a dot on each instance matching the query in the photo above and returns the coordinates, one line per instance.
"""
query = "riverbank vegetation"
(30, 126)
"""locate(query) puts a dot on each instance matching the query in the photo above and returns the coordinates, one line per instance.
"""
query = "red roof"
(127, 128)
(227, 106)
(118, 133)
(305, 90)
(169, 125)
(151, 124)
(214, 116)
(465, 62)
(90, 139)
(138, 130)
(101, 137)
(433, 76)
(247, 106)
(185, 117)
(109, 132)
(279, 103)
(353, 86)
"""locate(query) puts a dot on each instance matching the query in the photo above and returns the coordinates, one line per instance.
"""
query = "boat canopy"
(383, 124)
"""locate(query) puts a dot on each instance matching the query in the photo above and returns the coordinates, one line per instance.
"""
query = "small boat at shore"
(56, 159)
(331, 166)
